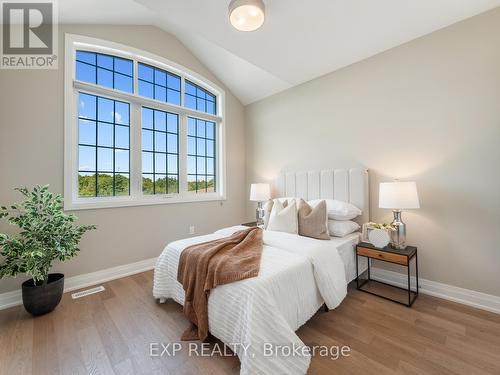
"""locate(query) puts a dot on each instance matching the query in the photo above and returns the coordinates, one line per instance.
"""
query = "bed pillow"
(313, 220)
(283, 218)
(338, 210)
(342, 228)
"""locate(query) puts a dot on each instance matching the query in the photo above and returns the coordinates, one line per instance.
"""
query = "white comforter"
(297, 274)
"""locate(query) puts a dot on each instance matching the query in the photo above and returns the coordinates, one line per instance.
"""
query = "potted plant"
(46, 234)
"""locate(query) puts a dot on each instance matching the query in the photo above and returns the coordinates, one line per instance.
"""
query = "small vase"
(379, 238)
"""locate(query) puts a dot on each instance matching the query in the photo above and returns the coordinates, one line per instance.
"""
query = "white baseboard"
(10, 299)
(452, 293)
(14, 298)
(468, 297)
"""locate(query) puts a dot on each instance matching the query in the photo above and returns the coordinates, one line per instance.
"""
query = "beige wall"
(31, 152)
(427, 111)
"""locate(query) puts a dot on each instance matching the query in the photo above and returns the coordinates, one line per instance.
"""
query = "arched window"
(139, 129)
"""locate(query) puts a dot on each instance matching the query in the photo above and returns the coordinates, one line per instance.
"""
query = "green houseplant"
(46, 234)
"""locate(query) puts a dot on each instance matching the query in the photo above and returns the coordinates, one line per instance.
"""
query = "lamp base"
(259, 215)
(398, 235)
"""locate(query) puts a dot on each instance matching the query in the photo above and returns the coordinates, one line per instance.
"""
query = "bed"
(297, 276)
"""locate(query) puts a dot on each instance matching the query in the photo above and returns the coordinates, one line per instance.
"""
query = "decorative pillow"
(283, 218)
(289, 199)
(267, 207)
(338, 210)
(314, 203)
(312, 220)
(342, 228)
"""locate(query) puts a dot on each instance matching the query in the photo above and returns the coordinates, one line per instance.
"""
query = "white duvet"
(297, 275)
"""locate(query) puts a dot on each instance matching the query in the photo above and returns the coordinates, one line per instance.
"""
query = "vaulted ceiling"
(300, 39)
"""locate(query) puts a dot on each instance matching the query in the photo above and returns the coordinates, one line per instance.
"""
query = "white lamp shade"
(398, 195)
(260, 192)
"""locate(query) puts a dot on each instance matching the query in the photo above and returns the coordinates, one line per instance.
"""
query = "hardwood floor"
(111, 332)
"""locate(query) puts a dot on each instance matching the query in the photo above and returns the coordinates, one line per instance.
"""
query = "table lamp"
(260, 193)
(397, 196)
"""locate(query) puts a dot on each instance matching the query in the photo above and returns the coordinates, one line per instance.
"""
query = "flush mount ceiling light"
(246, 15)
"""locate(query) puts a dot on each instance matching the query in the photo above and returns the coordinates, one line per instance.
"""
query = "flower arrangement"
(383, 226)
(371, 226)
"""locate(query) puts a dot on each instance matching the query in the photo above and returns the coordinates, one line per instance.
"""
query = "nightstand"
(251, 224)
(387, 254)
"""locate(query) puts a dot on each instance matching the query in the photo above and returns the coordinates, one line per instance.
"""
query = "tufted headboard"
(348, 185)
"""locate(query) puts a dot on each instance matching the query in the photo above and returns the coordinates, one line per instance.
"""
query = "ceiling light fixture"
(246, 15)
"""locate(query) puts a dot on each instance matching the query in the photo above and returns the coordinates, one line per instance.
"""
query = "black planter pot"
(42, 299)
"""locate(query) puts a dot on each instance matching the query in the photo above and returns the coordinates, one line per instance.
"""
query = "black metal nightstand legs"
(409, 285)
(357, 273)
(408, 289)
(416, 269)
(369, 273)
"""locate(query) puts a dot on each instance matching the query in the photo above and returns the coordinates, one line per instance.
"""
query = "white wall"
(31, 147)
(427, 111)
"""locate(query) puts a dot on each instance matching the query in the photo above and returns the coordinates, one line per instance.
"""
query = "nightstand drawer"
(382, 255)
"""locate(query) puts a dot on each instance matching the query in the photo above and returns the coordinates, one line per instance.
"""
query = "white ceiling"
(300, 40)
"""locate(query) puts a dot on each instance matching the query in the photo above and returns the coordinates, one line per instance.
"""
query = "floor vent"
(87, 292)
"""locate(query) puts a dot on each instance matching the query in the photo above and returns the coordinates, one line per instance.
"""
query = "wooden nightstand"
(390, 255)
(251, 224)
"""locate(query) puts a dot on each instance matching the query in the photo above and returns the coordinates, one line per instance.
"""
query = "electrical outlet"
(191, 229)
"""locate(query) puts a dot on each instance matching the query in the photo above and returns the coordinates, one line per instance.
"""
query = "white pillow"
(338, 210)
(283, 219)
(342, 228)
(289, 199)
(267, 207)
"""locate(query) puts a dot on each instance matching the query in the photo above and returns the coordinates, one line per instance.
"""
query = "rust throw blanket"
(204, 266)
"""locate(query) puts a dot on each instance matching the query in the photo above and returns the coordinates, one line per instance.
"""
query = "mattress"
(297, 275)
(346, 246)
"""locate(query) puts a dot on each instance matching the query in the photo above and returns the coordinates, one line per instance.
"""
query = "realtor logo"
(29, 35)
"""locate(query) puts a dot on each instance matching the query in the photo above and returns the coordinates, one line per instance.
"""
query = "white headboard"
(348, 185)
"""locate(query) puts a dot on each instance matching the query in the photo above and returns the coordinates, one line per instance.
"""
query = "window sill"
(97, 203)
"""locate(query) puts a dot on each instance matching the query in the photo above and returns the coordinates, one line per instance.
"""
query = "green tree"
(121, 185)
(105, 183)
(147, 185)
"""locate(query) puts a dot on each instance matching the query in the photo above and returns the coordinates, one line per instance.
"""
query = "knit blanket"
(204, 266)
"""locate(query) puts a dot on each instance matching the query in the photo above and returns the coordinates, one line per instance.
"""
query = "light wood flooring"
(111, 332)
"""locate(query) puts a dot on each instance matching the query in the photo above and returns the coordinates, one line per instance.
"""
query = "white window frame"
(136, 198)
